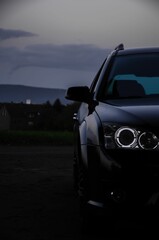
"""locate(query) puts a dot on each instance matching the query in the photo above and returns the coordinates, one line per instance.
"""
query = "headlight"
(116, 136)
(148, 140)
(126, 137)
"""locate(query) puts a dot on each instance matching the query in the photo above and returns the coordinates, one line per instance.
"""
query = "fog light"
(118, 195)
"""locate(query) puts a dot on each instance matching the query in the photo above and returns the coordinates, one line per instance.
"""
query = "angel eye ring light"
(126, 137)
(148, 140)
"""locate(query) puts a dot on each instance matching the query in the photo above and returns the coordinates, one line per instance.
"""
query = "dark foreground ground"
(37, 200)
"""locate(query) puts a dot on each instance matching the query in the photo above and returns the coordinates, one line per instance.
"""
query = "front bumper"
(123, 181)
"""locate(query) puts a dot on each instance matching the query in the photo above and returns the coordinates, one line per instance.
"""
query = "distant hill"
(37, 95)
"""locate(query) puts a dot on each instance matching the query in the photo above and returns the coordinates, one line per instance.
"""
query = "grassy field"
(36, 138)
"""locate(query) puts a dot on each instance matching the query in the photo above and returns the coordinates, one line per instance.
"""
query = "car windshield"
(134, 76)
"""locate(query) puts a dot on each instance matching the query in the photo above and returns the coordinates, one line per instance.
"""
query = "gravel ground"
(36, 196)
(36, 193)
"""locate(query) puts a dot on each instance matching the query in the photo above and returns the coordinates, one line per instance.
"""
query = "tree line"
(60, 118)
(44, 117)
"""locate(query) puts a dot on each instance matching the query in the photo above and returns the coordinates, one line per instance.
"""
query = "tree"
(58, 107)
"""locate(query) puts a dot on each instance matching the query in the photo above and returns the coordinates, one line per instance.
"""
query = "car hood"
(140, 113)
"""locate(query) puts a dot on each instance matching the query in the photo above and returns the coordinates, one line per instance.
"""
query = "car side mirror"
(79, 94)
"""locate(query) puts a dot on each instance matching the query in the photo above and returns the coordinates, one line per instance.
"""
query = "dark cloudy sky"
(60, 43)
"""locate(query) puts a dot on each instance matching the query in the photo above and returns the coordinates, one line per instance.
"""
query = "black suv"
(116, 130)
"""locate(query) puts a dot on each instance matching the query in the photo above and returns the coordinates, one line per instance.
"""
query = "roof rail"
(120, 47)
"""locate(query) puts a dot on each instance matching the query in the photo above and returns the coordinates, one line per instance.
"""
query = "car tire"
(81, 188)
(89, 223)
(75, 175)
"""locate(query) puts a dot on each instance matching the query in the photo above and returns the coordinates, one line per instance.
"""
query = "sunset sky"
(60, 43)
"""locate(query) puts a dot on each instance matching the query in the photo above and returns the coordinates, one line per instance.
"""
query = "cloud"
(50, 65)
(71, 57)
(77, 57)
(152, 3)
(8, 34)
(10, 3)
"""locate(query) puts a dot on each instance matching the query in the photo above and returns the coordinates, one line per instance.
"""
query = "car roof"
(138, 50)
